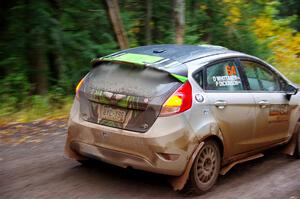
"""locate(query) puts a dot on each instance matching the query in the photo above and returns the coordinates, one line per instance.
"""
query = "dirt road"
(32, 166)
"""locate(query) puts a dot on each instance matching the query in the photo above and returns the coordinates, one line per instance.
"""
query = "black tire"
(87, 162)
(297, 149)
(205, 170)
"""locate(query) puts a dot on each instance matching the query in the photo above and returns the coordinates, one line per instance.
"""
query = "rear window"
(130, 80)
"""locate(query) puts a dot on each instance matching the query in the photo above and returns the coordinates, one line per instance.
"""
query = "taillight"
(78, 87)
(179, 101)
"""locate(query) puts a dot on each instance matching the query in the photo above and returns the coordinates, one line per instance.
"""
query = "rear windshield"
(130, 80)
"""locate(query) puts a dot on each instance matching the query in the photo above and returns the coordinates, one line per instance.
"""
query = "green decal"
(134, 58)
(180, 77)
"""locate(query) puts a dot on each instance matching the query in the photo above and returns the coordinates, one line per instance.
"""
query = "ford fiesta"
(190, 112)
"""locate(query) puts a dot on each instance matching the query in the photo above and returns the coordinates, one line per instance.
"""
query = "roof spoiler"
(174, 68)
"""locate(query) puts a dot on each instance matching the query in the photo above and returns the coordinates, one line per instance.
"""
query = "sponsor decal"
(278, 113)
(230, 70)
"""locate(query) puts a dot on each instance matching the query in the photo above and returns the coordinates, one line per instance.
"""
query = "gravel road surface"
(32, 165)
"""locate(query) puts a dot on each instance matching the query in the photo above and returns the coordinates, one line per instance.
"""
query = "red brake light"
(179, 101)
(78, 87)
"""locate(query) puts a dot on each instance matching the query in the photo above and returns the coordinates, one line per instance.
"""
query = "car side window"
(199, 78)
(223, 76)
(260, 78)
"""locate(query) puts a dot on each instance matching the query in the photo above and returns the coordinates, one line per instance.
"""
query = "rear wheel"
(205, 169)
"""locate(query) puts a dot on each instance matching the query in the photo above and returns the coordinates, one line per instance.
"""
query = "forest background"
(46, 45)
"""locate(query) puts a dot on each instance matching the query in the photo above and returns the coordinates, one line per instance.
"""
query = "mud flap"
(291, 145)
(179, 182)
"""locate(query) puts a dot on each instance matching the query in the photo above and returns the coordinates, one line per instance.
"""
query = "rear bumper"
(130, 149)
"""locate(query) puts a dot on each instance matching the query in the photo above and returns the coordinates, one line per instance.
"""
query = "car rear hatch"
(125, 95)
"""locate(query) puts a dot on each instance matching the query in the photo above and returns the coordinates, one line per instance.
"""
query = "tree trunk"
(5, 6)
(114, 14)
(194, 5)
(148, 28)
(54, 53)
(207, 37)
(178, 9)
(37, 67)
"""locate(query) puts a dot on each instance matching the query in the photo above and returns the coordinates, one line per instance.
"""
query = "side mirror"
(290, 90)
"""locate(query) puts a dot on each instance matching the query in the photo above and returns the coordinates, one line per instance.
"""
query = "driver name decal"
(226, 80)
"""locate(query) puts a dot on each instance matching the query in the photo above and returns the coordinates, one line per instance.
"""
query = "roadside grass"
(35, 108)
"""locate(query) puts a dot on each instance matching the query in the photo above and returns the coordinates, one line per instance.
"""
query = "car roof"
(179, 53)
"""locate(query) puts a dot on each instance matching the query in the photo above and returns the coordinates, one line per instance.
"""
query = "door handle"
(264, 104)
(220, 104)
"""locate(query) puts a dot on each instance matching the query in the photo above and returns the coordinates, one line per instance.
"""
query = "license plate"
(113, 114)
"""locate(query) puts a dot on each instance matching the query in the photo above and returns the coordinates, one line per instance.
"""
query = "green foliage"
(54, 41)
(77, 32)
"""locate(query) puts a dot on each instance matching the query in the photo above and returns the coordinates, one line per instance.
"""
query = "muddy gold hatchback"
(190, 112)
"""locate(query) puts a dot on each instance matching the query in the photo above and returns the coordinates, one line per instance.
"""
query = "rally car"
(190, 112)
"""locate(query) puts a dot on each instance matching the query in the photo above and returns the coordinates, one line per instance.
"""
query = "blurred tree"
(163, 27)
(54, 40)
(46, 45)
(36, 24)
(281, 38)
(114, 13)
(290, 8)
(179, 18)
(148, 28)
